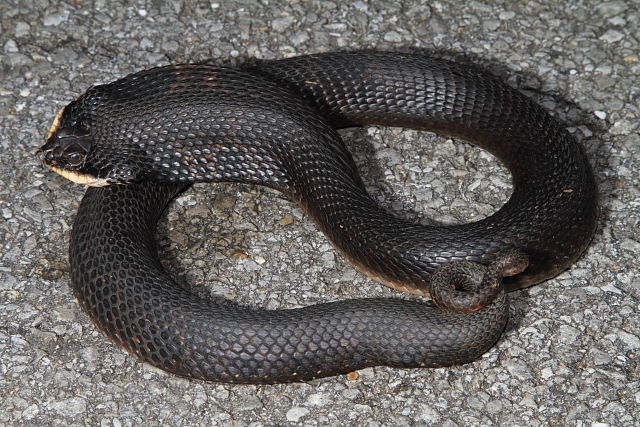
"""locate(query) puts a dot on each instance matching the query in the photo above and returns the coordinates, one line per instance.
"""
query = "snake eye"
(75, 159)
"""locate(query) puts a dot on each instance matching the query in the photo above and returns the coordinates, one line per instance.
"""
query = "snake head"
(71, 150)
(66, 151)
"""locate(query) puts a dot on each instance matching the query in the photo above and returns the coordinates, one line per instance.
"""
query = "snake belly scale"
(273, 123)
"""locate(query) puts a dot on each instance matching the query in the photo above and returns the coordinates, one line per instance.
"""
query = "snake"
(140, 140)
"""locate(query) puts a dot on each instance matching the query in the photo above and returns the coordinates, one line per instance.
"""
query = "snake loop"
(273, 123)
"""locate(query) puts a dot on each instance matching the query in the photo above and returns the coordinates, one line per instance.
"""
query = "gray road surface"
(571, 352)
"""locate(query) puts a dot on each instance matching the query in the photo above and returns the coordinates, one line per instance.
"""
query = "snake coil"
(273, 123)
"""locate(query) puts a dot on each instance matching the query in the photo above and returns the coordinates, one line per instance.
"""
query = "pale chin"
(80, 178)
(55, 124)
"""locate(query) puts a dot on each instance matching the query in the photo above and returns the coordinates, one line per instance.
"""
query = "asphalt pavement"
(570, 355)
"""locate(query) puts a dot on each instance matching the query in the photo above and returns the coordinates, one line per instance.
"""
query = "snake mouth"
(80, 178)
(66, 149)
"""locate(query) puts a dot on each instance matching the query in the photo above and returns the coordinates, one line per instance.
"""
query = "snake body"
(273, 123)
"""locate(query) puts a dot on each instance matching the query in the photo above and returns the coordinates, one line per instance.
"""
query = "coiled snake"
(273, 123)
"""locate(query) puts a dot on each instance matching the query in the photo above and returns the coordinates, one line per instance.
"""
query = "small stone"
(623, 127)
(22, 29)
(427, 414)
(30, 412)
(617, 21)
(611, 288)
(286, 220)
(518, 369)
(10, 46)
(491, 25)
(328, 259)
(294, 414)
(529, 400)
(224, 201)
(630, 245)
(546, 373)
(142, 12)
(336, 26)
(494, 406)
(362, 409)
(610, 8)
(170, 46)
(600, 114)
(156, 57)
(393, 37)
(89, 354)
(64, 313)
(64, 56)
(281, 24)
(586, 132)
(478, 400)
(251, 265)
(103, 18)
(569, 334)
(351, 393)
(250, 403)
(318, 399)
(55, 19)
(69, 407)
(630, 59)
(605, 82)
(599, 357)
(146, 44)
(361, 6)
(199, 211)
(632, 341)
(506, 15)
(18, 59)
(299, 38)
(612, 36)
(42, 339)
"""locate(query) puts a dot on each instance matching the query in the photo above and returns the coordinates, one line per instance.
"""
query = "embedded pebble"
(250, 403)
(318, 399)
(299, 38)
(10, 46)
(393, 36)
(281, 24)
(21, 29)
(624, 127)
(610, 8)
(69, 407)
(612, 36)
(294, 414)
(55, 19)
(491, 25)
(632, 342)
(506, 15)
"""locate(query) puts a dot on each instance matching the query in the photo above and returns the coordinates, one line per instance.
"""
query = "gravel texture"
(570, 355)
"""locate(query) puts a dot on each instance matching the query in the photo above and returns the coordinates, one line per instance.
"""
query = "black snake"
(273, 123)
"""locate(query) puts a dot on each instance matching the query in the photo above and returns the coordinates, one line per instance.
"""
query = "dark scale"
(273, 123)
